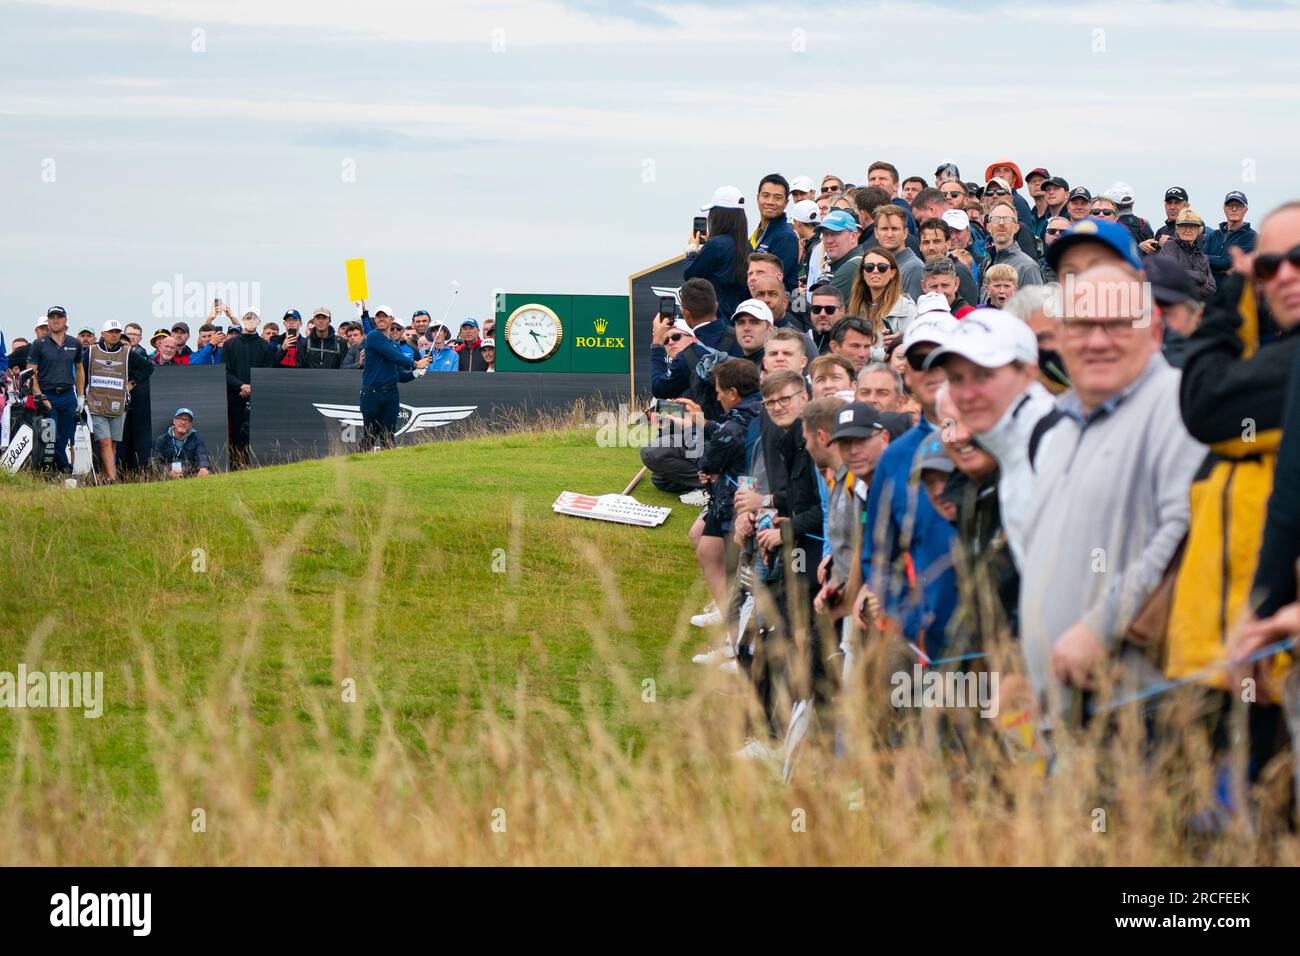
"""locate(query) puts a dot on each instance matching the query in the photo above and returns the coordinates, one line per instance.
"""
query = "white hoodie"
(1008, 442)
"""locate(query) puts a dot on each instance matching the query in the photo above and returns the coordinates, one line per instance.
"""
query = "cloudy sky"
(559, 146)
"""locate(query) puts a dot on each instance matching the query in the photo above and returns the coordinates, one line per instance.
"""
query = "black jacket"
(801, 501)
(471, 359)
(1275, 577)
(243, 354)
(321, 352)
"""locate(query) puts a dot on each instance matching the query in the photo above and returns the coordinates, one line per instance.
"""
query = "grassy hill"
(408, 658)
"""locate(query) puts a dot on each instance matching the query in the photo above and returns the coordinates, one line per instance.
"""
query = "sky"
(147, 146)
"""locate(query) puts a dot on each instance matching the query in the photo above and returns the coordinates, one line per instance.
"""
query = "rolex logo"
(601, 325)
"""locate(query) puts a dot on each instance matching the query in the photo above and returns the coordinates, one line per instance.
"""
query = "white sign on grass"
(620, 508)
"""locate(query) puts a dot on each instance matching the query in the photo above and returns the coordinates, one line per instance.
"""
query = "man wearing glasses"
(998, 191)
(1055, 228)
(1233, 231)
(1003, 227)
(827, 308)
(1110, 497)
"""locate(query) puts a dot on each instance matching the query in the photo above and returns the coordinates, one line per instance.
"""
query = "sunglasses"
(830, 189)
(676, 337)
(996, 192)
(937, 267)
(1267, 264)
(876, 267)
(824, 309)
(955, 194)
(1107, 213)
(1056, 232)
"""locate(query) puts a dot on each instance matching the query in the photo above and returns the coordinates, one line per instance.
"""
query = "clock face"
(534, 333)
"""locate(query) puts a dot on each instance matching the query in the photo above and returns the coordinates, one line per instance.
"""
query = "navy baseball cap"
(55, 310)
(863, 420)
(1170, 283)
(419, 312)
(1057, 181)
(184, 411)
(465, 322)
(1113, 234)
(1235, 196)
(1080, 192)
(1176, 192)
(293, 313)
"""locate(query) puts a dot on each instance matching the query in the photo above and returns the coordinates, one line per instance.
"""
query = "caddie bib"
(106, 387)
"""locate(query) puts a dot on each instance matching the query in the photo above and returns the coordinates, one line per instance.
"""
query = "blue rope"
(1165, 686)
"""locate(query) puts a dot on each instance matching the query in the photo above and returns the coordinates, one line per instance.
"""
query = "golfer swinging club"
(385, 365)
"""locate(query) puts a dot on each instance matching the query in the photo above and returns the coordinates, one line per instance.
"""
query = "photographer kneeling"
(179, 452)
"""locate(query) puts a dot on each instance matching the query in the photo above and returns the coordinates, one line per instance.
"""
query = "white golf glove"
(81, 404)
(418, 372)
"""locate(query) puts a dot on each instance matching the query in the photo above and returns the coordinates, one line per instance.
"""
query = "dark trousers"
(63, 409)
(237, 411)
(137, 438)
(379, 407)
(671, 469)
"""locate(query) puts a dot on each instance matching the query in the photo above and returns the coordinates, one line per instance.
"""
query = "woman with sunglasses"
(878, 296)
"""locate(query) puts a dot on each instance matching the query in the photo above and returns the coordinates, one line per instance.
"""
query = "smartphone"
(671, 408)
(702, 225)
(668, 307)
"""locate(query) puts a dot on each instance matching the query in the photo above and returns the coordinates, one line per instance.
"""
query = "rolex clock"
(533, 333)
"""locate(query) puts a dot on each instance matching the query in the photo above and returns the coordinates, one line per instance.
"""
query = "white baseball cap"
(757, 308)
(801, 184)
(990, 338)
(253, 313)
(42, 322)
(488, 343)
(806, 211)
(1120, 193)
(725, 197)
(386, 310)
(957, 219)
(112, 325)
(932, 302)
(936, 327)
(679, 325)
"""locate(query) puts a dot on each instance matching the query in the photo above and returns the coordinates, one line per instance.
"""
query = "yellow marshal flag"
(356, 272)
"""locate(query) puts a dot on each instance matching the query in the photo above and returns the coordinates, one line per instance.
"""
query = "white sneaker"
(717, 655)
(697, 498)
(707, 619)
(755, 749)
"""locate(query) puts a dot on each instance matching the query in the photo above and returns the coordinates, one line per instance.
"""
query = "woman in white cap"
(722, 256)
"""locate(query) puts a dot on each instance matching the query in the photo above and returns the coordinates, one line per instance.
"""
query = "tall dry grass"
(517, 780)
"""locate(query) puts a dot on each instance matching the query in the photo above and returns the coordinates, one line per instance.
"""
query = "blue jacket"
(1218, 242)
(896, 506)
(780, 240)
(384, 361)
(206, 356)
(444, 359)
(716, 261)
(190, 451)
(4, 355)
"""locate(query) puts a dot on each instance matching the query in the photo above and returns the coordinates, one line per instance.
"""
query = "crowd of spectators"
(59, 375)
(939, 413)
